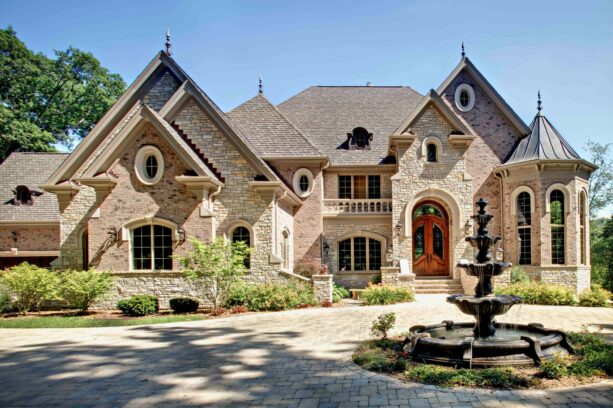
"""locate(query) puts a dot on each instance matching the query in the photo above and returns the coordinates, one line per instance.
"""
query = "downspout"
(323, 192)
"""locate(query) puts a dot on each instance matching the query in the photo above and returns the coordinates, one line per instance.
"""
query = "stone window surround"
(583, 235)
(471, 97)
(516, 193)
(362, 234)
(126, 235)
(241, 223)
(139, 164)
(439, 148)
(296, 182)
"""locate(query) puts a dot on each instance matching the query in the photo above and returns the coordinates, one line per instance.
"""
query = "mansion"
(354, 177)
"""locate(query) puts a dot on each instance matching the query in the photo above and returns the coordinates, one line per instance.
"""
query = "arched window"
(152, 248)
(241, 233)
(556, 221)
(359, 254)
(431, 153)
(524, 228)
(582, 224)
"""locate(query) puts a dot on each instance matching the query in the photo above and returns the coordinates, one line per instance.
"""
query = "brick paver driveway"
(299, 358)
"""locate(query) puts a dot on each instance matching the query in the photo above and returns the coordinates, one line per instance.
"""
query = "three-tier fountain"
(484, 342)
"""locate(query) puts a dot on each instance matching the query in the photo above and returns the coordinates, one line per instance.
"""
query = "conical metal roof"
(543, 142)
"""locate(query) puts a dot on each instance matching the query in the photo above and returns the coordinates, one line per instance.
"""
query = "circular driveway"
(299, 358)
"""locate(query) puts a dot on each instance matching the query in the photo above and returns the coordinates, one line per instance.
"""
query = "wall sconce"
(467, 227)
(113, 234)
(398, 228)
(389, 256)
(181, 234)
(13, 236)
(326, 249)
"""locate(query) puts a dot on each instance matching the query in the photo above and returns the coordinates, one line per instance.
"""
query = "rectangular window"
(359, 187)
(374, 255)
(344, 187)
(162, 247)
(374, 187)
(359, 251)
(557, 245)
(525, 245)
(344, 255)
(142, 248)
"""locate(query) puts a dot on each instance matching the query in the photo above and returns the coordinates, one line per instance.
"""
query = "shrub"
(385, 295)
(218, 311)
(383, 324)
(596, 355)
(216, 267)
(82, 288)
(271, 296)
(339, 292)
(139, 305)
(539, 293)
(376, 280)
(595, 297)
(449, 377)
(378, 355)
(238, 309)
(183, 305)
(307, 267)
(518, 275)
(5, 301)
(554, 369)
(29, 286)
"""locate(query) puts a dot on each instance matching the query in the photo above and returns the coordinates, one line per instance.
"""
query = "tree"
(216, 266)
(45, 101)
(601, 236)
(601, 181)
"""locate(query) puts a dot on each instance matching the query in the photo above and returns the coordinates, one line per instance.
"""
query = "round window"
(149, 165)
(303, 182)
(464, 97)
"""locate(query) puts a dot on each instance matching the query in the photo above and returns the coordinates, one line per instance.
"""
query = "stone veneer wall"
(336, 230)
(308, 220)
(446, 182)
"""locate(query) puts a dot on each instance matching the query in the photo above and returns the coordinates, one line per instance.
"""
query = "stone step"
(438, 291)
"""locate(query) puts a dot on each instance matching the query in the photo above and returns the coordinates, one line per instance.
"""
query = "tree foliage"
(44, 101)
(601, 237)
(29, 285)
(81, 289)
(216, 266)
(601, 181)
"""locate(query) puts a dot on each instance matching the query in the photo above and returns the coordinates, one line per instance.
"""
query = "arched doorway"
(430, 239)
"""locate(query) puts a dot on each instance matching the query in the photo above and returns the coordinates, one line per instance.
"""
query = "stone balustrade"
(353, 207)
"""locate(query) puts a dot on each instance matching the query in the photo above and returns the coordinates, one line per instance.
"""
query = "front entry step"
(444, 286)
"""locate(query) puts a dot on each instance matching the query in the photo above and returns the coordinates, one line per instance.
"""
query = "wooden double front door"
(430, 241)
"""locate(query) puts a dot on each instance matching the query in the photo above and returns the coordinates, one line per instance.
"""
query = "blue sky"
(564, 48)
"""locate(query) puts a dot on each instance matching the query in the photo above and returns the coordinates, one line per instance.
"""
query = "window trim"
(439, 149)
(296, 182)
(516, 193)
(565, 197)
(240, 223)
(523, 227)
(140, 163)
(367, 187)
(471, 97)
(565, 192)
(583, 228)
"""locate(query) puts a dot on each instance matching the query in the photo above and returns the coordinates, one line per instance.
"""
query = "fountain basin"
(490, 305)
(454, 344)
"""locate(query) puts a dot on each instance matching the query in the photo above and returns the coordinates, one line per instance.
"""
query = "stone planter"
(322, 286)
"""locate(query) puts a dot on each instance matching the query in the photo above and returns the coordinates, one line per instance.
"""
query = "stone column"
(322, 286)
(391, 276)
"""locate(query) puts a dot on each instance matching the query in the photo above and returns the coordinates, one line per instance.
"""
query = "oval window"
(149, 165)
(304, 184)
(464, 97)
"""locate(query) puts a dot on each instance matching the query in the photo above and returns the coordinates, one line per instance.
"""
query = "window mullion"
(368, 254)
(152, 240)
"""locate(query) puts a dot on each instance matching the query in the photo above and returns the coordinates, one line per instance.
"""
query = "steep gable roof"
(543, 143)
(31, 170)
(325, 114)
(466, 65)
(270, 131)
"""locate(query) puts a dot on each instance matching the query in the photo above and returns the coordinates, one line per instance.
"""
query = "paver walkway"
(293, 359)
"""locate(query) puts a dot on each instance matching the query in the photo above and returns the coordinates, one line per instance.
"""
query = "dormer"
(359, 139)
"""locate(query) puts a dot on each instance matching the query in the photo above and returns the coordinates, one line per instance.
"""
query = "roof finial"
(463, 53)
(539, 103)
(260, 86)
(168, 44)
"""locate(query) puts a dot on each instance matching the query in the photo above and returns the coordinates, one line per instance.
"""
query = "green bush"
(376, 280)
(5, 301)
(183, 305)
(385, 295)
(30, 286)
(339, 292)
(448, 377)
(139, 305)
(379, 355)
(595, 355)
(595, 297)
(539, 293)
(518, 275)
(383, 324)
(271, 296)
(554, 369)
(82, 288)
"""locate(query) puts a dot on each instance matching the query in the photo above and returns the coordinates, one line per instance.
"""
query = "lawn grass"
(66, 322)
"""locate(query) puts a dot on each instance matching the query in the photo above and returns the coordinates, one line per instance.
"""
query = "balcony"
(347, 207)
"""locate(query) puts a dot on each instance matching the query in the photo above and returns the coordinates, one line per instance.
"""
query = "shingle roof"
(543, 142)
(325, 114)
(269, 131)
(31, 170)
